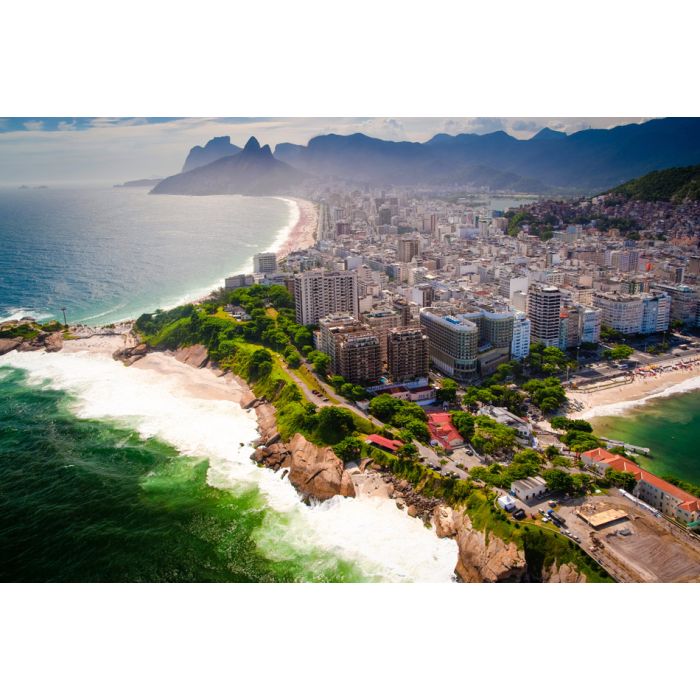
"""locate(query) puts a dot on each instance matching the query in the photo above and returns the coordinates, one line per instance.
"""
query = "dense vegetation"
(671, 185)
(260, 351)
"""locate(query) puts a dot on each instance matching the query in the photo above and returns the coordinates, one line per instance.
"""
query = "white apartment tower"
(520, 345)
(265, 263)
(318, 293)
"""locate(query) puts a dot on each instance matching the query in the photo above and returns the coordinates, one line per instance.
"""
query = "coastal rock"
(54, 342)
(412, 511)
(486, 559)
(9, 344)
(316, 471)
(444, 522)
(129, 355)
(565, 573)
(193, 355)
(267, 424)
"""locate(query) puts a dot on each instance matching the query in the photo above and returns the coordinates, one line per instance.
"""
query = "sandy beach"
(643, 387)
(303, 235)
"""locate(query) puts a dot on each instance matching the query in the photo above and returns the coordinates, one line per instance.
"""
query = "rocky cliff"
(483, 558)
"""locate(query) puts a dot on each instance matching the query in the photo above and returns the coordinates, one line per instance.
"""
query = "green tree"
(320, 361)
(558, 480)
(447, 391)
(333, 424)
(384, 407)
(464, 423)
(618, 352)
(348, 449)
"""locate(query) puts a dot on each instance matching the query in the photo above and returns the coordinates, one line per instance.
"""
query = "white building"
(318, 293)
(520, 345)
(529, 489)
(265, 263)
(590, 325)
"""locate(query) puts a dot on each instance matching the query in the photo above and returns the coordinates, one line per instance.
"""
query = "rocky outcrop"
(316, 471)
(483, 558)
(54, 342)
(51, 342)
(193, 355)
(129, 355)
(9, 344)
(564, 573)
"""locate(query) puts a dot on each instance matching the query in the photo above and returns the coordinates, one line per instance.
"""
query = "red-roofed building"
(443, 432)
(669, 499)
(383, 443)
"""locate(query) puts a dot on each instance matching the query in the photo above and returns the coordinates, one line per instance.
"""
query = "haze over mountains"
(551, 161)
(218, 147)
(251, 171)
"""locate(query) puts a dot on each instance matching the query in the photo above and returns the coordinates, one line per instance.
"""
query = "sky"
(103, 150)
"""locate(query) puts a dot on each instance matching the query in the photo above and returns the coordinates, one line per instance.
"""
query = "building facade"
(408, 354)
(543, 310)
(318, 293)
(265, 263)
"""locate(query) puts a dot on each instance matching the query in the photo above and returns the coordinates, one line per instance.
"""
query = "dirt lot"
(654, 551)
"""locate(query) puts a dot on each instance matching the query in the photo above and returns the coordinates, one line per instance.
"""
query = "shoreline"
(645, 387)
(299, 233)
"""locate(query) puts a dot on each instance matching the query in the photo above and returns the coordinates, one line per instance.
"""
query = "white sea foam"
(384, 541)
(617, 409)
(17, 314)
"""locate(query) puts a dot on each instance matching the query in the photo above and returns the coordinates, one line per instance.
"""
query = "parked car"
(519, 514)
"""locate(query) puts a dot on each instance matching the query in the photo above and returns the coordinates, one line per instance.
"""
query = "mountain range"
(251, 171)
(551, 161)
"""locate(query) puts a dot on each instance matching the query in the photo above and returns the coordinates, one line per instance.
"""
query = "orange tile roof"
(598, 454)
(688, 502)
(392, 445)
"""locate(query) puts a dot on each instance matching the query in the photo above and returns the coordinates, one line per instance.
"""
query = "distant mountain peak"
(218, 147)
(252, 145)
(547, 134)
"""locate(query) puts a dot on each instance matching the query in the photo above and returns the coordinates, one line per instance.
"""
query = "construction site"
(632, 543)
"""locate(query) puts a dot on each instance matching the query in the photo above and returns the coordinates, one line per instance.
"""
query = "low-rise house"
(384, 443)
(442, 432)
(501, 415)
(529, 489)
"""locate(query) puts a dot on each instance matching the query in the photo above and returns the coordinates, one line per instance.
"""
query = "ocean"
(669, 425)
(109, 473)
(109, 254)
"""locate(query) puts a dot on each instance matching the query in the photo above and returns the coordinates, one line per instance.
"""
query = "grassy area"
(271, 312)
(312, 382)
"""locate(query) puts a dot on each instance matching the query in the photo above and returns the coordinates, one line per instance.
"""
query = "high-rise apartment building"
(318, 293)
(380, 322)
(454, 342)
(407, 354)
(520, 345)
(354, 350)
(684, 301)
(265, 263)
(407, 249)
(543, 309)
(634, 313)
